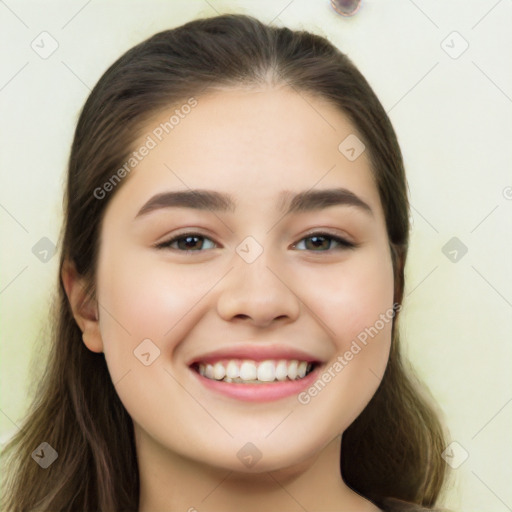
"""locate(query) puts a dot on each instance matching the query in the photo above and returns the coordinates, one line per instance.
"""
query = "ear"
(85, 309)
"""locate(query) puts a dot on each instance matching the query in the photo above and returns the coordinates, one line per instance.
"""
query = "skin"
(253, 144)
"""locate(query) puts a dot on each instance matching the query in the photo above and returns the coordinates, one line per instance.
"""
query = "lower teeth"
(238, 380)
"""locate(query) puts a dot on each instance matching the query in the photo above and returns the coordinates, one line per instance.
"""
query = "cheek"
(143, 297)
(355, 303)
(351, 296)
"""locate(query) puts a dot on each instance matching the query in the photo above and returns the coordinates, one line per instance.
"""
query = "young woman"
(232, 271)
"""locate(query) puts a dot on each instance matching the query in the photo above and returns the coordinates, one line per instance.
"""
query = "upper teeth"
(270, 370)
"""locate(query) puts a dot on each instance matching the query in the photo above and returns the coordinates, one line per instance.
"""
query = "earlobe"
(84, 308)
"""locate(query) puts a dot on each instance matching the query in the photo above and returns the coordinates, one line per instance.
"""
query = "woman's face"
(224, 252)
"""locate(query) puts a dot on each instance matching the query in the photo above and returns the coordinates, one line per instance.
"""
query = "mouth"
(246, 371)
(251, 380)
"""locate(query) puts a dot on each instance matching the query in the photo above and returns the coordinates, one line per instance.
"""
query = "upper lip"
(255, 353)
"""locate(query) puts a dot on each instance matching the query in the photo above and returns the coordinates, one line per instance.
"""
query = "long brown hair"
(392, 450)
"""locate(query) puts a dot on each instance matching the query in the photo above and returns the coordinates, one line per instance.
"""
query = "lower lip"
(259, 392)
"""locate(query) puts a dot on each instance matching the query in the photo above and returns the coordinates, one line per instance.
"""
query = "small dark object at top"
(346, 7)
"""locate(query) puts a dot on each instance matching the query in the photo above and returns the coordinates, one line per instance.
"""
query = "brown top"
(395, 505)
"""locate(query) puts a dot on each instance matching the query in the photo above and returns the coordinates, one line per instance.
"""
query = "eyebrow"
(308, 200)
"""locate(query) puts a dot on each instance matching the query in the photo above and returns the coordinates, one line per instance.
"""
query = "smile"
(254, 372)
(286, 378)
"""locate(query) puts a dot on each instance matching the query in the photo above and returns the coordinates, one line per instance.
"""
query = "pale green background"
(454, 121)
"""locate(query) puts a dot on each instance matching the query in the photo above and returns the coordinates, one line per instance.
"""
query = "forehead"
(252, 143)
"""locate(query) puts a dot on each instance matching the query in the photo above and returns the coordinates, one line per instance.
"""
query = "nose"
(259, 294)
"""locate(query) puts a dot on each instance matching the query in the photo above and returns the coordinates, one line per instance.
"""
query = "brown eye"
(322, 242)
(318, 242)
(187, 242)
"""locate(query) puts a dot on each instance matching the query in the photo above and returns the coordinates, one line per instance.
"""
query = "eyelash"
(344, 244)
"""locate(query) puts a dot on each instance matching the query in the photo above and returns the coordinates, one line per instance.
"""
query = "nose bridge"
(255, 289)
(257, 276)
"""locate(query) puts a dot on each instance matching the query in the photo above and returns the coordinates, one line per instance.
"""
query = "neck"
(171, 482)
